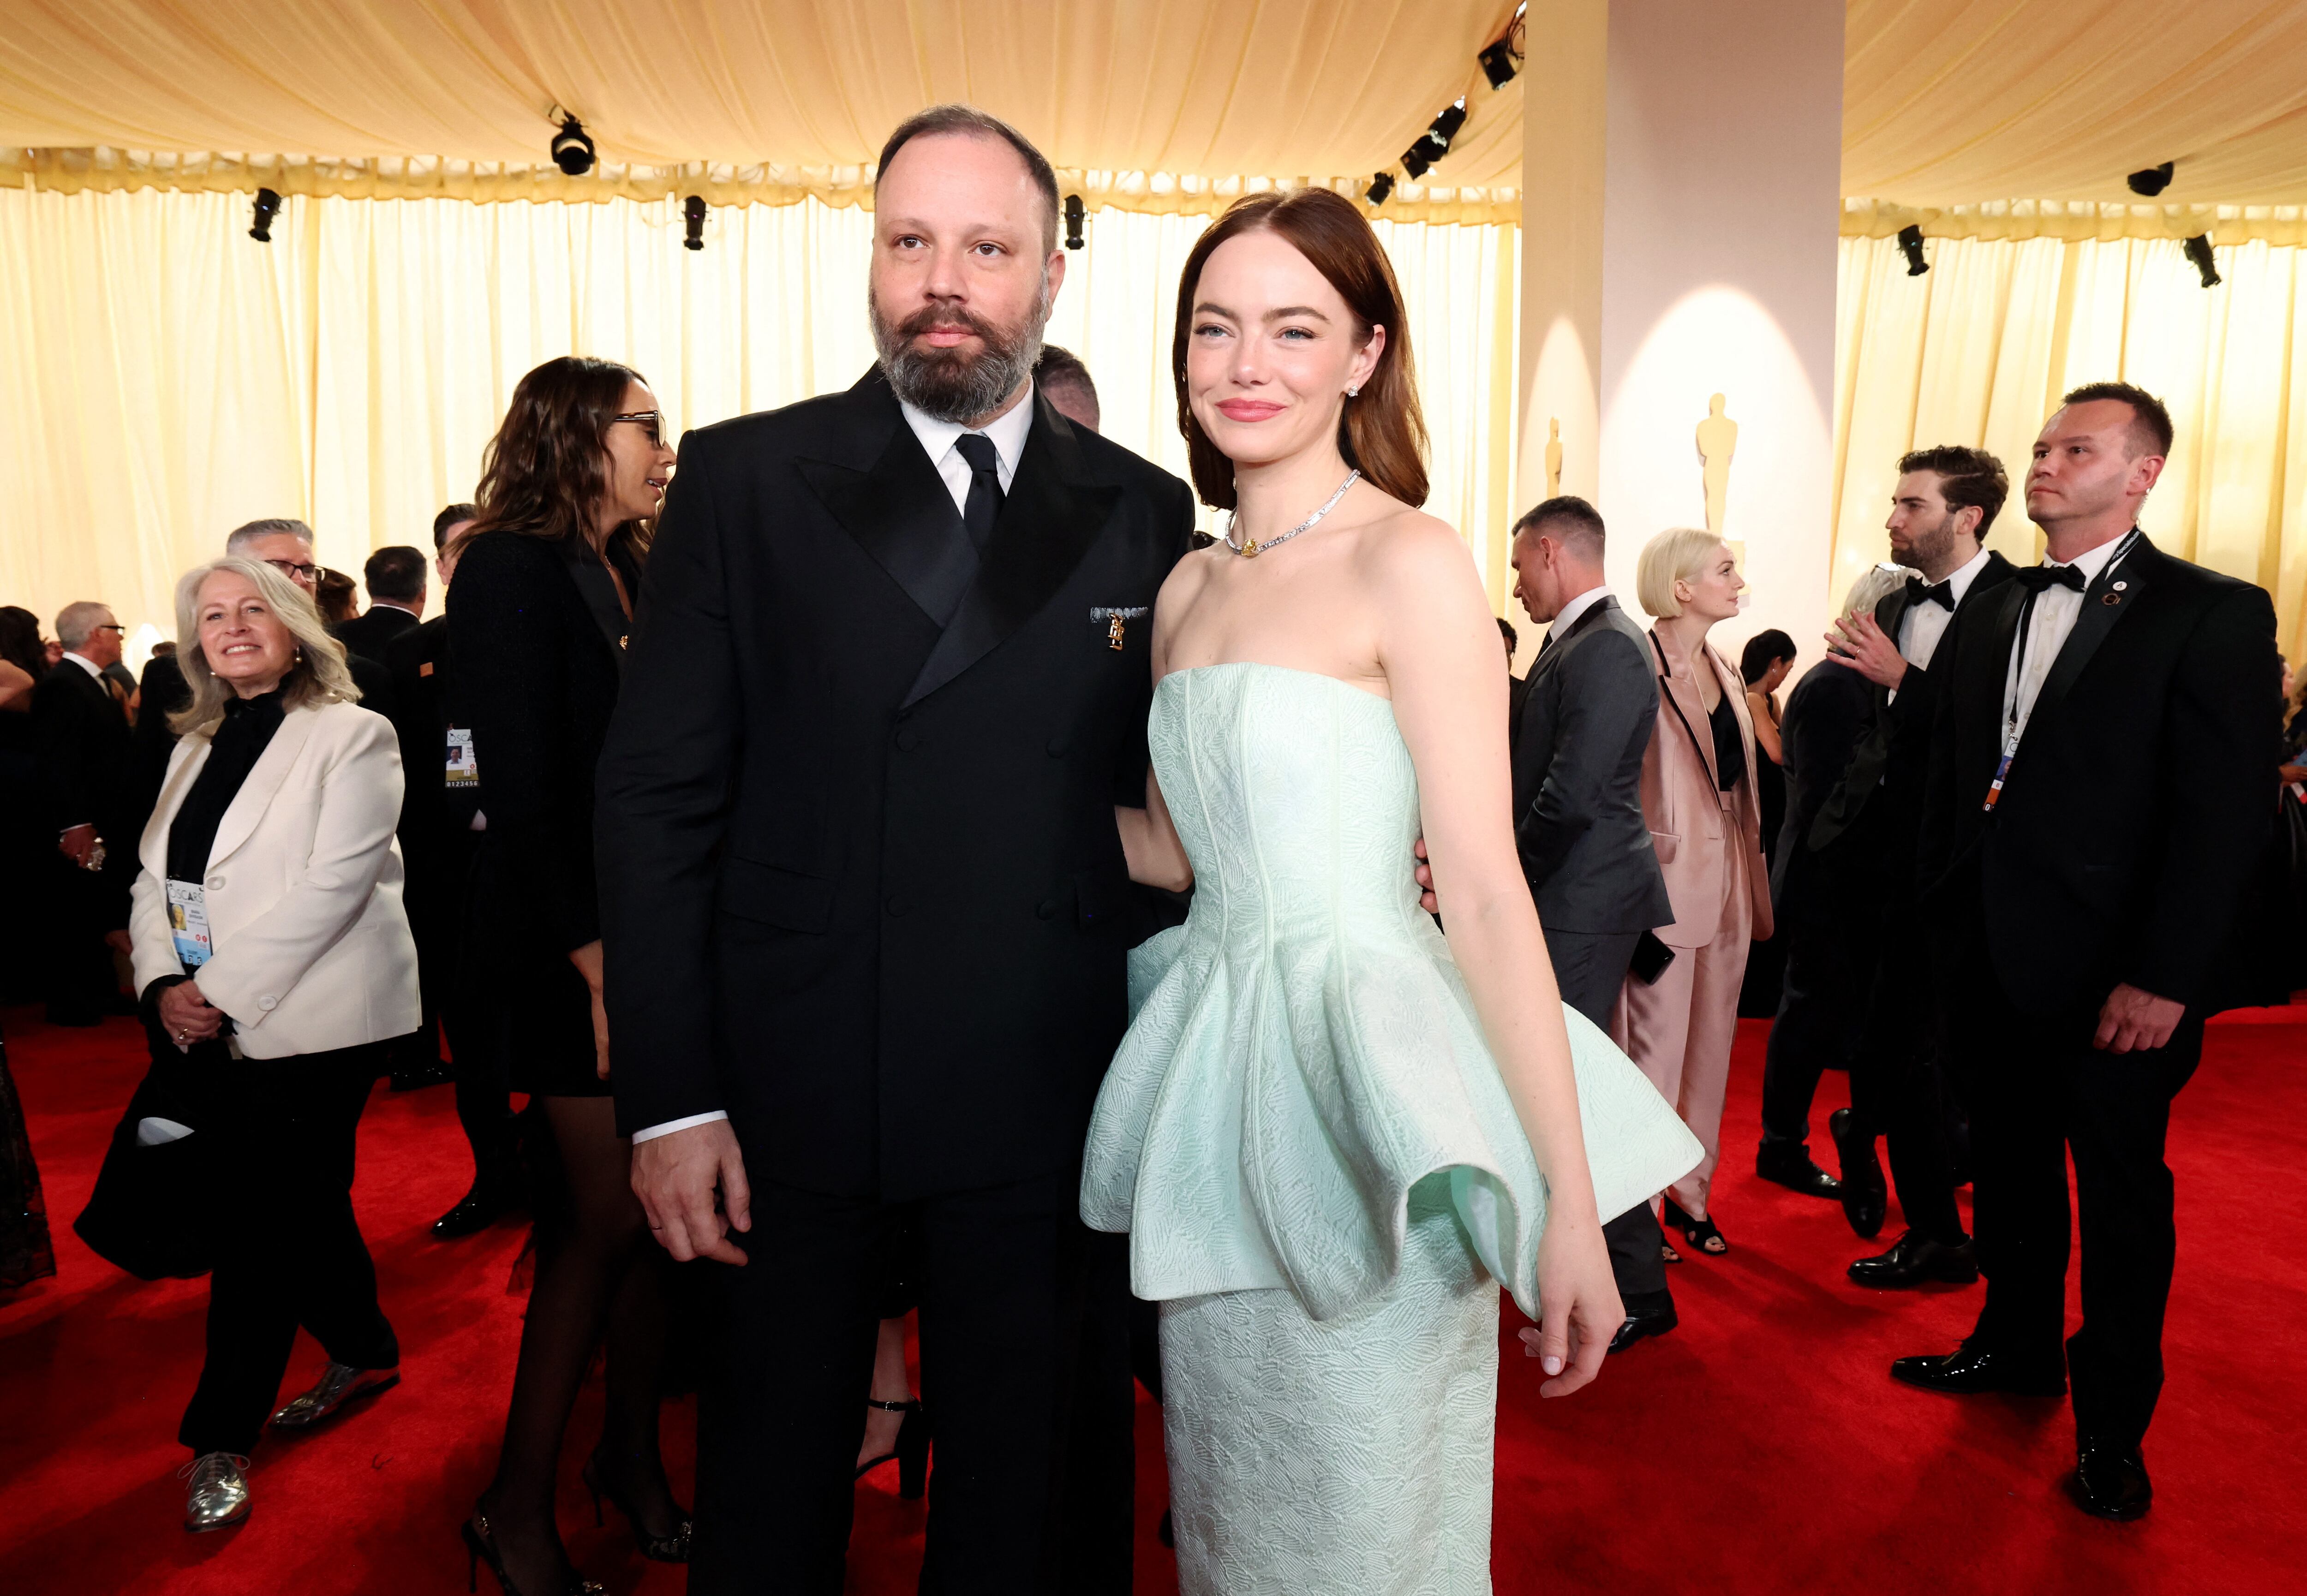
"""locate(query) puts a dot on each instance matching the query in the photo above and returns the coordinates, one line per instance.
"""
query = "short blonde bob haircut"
(1676, 555)
(318, 675)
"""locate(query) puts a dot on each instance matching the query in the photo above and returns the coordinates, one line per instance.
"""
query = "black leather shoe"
(1865, 1195)
(1969, 1370)
(2110, 1482)
(1648, 1313)
(415, 1077)
(1788, 1163)
(1914, 1258)
(474, 1212)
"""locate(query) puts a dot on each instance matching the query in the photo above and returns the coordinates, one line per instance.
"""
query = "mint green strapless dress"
(1319, 1168)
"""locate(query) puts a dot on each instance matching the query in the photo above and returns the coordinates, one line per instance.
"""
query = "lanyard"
(2013, 724)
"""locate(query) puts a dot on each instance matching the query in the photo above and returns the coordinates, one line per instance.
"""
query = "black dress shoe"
(2110, 1481)
(1788, 1163)
(416, 1076)
(1914, 1258)
(1648, 1313)
(1970, 1369)
(1865, 1196)
(474, 1212)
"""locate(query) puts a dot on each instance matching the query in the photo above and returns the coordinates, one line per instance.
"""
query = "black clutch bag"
(1651, 957)
(153, 1211)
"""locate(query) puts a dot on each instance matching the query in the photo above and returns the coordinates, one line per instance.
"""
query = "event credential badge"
(188, 923)
(463, 770)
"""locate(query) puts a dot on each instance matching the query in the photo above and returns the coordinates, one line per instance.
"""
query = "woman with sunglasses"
(538, 620)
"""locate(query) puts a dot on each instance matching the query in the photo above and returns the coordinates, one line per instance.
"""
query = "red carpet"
(1761, 1449)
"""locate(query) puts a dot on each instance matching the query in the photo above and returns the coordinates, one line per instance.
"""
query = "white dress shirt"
(2056, 611)
(940, 440)
(1572, 609)
(89, 666)
(1924, 623)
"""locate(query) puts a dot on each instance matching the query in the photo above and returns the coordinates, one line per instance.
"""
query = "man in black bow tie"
(2097, 796)
(1940, 512)
(861, 886)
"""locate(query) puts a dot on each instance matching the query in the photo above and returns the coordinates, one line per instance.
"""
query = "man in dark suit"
(2097, 797)
(80, 734)
(395, 577)
(1864, 837)
(441, 827)
(1584, 720)
(861, 879)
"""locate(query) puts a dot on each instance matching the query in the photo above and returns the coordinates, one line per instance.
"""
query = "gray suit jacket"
(1587, 718)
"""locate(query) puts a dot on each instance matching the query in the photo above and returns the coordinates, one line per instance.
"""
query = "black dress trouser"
(1025, 1345)
(289, 1250)
(2040, 1091)
(1590, 967)
(1898, 1090)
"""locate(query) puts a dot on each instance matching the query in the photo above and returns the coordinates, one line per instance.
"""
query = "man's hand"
(1424, 876)
(77, 843)
(1858, 643)
(2135, 1022)
(187, 1016)
(675, 1176)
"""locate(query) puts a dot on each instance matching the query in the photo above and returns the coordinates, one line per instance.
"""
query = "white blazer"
(303, 888)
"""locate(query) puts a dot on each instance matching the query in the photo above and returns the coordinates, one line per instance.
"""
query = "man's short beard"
(952, 384)
(1931, 547)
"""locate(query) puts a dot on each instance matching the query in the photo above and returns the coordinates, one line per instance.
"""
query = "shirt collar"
(1960, 581)
(392, 604)
(2091, 562)
(1567, 617)
(89, 666)
(1008, 432)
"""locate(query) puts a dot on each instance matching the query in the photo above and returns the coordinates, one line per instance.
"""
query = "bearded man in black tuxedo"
(2097, 800)
(862, 895)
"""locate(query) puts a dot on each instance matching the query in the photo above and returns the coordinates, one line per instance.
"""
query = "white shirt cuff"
(670, 1126)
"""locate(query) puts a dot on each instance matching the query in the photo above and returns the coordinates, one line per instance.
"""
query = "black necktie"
(2035, 578)
(1919, 592)
(984, 505)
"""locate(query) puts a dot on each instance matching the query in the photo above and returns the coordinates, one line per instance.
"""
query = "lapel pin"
(2121, 586)
(1114, 618)
(2109, 599)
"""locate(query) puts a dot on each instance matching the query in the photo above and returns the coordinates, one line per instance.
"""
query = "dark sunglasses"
(651, 422)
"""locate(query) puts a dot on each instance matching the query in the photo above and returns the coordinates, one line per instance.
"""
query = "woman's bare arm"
(1766, 729)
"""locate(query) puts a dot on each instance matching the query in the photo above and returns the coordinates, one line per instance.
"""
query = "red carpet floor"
(1759, 1448)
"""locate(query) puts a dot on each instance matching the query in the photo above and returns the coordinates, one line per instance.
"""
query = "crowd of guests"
(312, 842)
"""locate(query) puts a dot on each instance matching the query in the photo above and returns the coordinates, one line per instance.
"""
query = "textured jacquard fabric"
(1317, 1162)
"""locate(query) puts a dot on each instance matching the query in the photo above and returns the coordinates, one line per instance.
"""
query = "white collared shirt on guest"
(1572, 609)
(89, 666)
(2056, 611)
(939, 441)
(1924, 623)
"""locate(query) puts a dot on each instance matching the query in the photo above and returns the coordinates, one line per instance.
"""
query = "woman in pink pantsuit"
(1698, 799)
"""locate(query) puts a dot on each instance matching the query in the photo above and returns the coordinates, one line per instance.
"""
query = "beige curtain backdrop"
(1978, 350)
(168, 377)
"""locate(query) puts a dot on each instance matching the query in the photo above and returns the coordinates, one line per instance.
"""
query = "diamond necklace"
(1253, 549)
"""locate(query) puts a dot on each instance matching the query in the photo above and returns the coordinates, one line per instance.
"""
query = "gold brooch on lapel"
(2109, 599)
(1115, 619)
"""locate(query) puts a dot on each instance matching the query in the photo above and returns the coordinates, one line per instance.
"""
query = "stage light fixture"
(1415, 162)
(1075, 215)
(2152, 182)
(1380, 188)
(693, 216)
(2200, 257)
(1498, 64)
(1910, 241)
(573, 147)
(268, 205)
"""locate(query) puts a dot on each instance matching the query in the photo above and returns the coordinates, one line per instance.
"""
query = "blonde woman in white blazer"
(274, 960)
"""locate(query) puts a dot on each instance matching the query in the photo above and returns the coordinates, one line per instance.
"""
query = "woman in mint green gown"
(1331, 1133)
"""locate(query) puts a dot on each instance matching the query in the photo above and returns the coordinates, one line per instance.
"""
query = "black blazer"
(861, 881)
(1878, 800)
(1825, 717)
(1586, 720)
(537, 680)
(2138, 802)
(86, 754)
(371, 632)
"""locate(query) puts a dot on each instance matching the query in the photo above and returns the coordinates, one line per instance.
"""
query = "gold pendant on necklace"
(1249, 550)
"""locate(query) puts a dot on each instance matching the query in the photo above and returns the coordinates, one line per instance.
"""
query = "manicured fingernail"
(1551, 1365)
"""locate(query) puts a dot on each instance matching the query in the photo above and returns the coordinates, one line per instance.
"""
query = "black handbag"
(153, 1211)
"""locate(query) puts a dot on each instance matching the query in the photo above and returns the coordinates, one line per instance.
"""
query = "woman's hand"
(587, 961)
(1578, 1304)
(187, 1016)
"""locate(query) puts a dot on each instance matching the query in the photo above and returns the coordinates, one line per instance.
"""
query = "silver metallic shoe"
(340, 1384)
(218, 1496)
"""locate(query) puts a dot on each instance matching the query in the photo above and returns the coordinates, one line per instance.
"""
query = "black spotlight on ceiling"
(2199, 256)
(1075, 215)
(1381, 187)
(1910, 242)
(692, 217)
(268, 205)
(2151, 182)
(1498, 64)
(573, 147)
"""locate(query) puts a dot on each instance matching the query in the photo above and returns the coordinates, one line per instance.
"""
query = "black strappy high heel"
(912, 1453)
(656, 1548)
(1703, 1234)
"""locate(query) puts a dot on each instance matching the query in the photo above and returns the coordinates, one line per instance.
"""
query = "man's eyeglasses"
(110, 626)
(651, 422)
(306, 574)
